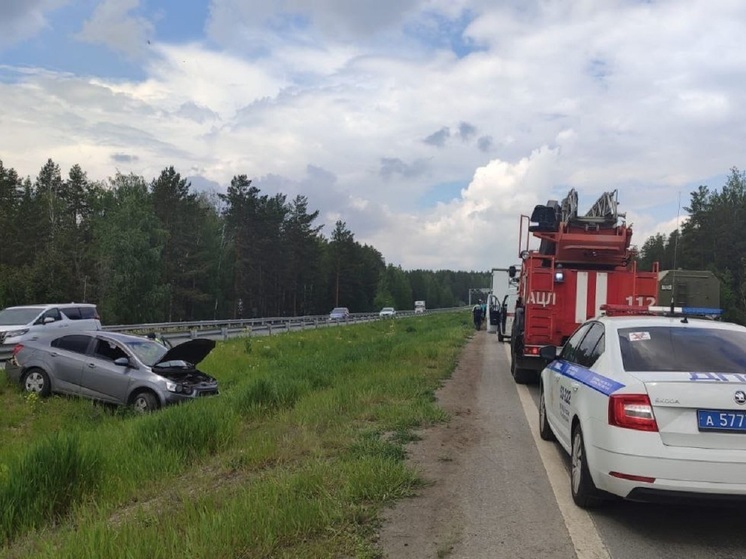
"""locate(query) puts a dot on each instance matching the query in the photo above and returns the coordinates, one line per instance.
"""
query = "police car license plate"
(718, 420)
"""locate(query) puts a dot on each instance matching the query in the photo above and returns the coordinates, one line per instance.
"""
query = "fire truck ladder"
(597, 238)
(603, 213)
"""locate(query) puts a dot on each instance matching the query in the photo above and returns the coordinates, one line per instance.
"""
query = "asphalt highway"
(497, 490)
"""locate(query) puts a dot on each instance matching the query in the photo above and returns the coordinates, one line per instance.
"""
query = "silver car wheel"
(145, 402)
(35, 382)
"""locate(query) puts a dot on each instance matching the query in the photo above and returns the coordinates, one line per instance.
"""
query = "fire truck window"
(589, 350)
(571, 345)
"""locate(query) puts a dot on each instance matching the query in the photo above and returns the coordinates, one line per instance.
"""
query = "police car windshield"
(690, 349)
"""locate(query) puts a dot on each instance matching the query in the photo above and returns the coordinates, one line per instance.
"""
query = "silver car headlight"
(178, 388)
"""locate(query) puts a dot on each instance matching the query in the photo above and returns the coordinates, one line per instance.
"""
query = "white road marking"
(585, 538)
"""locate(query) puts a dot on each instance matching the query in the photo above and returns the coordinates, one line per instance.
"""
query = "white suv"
(21, 323)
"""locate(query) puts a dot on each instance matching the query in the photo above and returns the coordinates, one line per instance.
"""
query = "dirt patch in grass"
(430, 524)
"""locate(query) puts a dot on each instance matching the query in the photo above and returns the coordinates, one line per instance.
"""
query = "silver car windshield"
(17, 317)
(147, 351)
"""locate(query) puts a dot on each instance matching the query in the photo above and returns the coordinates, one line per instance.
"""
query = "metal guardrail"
(179, 332)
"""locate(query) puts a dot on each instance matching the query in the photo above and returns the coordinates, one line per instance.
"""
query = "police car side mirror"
(548, 352)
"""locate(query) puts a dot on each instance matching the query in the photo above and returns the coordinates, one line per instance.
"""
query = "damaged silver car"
(112, 367)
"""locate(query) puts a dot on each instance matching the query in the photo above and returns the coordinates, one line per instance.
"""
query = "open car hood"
(192, 351)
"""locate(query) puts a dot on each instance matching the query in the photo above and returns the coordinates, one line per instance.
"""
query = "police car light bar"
(654, 310)
(698, 311)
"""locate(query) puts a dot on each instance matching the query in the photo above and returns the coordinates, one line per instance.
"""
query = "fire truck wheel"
(521, 376)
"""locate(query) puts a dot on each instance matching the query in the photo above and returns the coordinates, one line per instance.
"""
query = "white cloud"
(480, 230)
(592, 95)
(112, 25)
(333, 20)
(22, 19)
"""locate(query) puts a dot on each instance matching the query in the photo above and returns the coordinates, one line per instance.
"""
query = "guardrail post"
(193, 333)
(269, 329)
(224, 332)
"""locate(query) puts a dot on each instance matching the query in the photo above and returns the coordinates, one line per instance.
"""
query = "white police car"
(649, 407)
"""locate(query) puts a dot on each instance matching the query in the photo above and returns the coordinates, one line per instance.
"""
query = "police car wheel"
(545, 431)
(584, 491)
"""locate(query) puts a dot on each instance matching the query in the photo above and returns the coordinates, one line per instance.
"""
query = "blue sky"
(433, 122)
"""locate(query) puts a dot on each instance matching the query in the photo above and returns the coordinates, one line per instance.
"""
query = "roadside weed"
(295, 457)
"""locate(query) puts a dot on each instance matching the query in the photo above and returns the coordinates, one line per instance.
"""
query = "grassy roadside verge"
(294, 459)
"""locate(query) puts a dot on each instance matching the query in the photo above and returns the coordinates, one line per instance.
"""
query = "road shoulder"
(487, 494)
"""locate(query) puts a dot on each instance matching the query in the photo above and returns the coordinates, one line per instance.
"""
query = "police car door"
(579, 375)
(556, 394)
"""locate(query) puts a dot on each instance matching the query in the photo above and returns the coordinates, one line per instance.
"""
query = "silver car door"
(66, 358)
(102, 378)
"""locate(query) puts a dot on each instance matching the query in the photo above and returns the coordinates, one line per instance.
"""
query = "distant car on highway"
(649, 407)
(387, 312)
(112, 367)
(25, 322)
(339, 313)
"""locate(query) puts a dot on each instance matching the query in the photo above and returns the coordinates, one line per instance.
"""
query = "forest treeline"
(158, 251)
(711, 238)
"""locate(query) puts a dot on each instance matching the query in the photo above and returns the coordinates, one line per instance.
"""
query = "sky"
(427, 126)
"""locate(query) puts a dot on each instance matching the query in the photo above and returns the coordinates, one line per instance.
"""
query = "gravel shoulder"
(486, 492)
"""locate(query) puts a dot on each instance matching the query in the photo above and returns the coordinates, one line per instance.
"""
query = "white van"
(21, 323)
(507, 315)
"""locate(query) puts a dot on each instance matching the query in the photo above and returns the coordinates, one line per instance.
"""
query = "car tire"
(522, 376)
(145, 402)
(37, 381)
(584, 491)
(545, 431)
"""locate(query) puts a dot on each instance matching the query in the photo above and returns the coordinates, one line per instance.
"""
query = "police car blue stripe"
(597, 382)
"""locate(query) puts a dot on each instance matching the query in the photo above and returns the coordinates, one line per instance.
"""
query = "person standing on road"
(477, 314)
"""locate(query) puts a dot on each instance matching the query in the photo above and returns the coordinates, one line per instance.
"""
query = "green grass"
(295, 458)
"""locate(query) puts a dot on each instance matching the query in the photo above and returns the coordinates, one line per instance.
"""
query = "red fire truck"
(582, 262)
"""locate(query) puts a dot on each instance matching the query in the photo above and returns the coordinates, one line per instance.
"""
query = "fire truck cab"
(582, 263)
